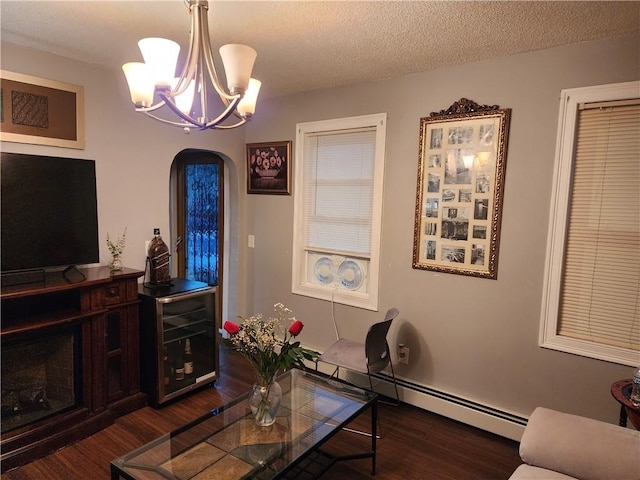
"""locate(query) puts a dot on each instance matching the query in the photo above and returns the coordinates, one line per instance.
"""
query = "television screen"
(49, 212)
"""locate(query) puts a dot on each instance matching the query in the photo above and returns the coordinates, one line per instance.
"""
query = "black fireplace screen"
(38, 379)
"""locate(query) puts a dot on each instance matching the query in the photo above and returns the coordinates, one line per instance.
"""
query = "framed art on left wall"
(41, 112)
(269, 168)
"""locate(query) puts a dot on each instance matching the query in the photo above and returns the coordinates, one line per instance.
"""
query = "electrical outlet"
(146, 247)
(251, 241)
(403, 354)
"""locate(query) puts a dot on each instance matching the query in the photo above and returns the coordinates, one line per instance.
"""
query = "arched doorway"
(198, 217)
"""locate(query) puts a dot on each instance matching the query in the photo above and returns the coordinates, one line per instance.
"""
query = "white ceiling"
(308, 45)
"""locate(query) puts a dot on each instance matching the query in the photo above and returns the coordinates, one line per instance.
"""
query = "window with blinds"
(338, 186)
(338, 208)
(595, 267)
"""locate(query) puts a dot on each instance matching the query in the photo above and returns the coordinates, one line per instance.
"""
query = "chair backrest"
(376, 346)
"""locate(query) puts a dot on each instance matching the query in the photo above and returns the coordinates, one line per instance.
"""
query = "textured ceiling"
(308, 45)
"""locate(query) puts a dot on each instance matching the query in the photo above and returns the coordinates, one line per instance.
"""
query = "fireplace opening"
(39, 379)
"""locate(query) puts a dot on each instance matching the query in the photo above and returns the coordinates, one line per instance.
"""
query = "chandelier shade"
(153, 85)
(184, 101)
(162, 57)
(247, 105)
(141, 83)
(238, 63)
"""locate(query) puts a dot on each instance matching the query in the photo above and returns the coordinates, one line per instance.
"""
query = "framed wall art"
(40, 111)
(269, 168)
(461, 168)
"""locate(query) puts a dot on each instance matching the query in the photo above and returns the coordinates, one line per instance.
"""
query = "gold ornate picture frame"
(461, 168)
(41, 112)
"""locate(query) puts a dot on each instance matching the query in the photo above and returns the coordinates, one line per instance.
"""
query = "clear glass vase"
(265, 401)
(115, 264)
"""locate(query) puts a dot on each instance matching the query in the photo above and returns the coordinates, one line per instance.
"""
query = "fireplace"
(40, 378)
(69, 360)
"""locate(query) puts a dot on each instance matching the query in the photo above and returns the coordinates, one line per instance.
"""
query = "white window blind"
(600, 292)
(337, 226)
(339, 170)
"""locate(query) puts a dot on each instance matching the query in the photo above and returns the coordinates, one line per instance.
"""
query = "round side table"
(621, 391)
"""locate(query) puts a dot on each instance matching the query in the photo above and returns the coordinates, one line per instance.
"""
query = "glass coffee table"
(226, 444)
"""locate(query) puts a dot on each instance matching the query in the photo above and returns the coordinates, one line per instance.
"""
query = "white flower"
(118, 247)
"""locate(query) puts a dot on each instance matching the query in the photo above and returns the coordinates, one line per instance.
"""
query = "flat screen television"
(49, 212)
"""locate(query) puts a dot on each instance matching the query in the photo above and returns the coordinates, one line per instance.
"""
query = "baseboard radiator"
(467, 411)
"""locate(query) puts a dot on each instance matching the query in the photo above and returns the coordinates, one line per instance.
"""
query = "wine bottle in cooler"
(179, 362)
(167, 367)
(188, 358)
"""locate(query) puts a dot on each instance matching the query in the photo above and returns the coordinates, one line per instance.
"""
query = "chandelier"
(155, 80)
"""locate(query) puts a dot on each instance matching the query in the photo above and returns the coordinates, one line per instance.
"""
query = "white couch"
(559, 446)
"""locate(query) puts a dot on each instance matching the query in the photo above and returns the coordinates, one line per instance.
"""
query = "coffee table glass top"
(227, 444)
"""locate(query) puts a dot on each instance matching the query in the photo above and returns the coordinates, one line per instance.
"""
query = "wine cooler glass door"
(187, 353)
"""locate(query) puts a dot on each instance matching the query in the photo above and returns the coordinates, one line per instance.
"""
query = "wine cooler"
(178, 341)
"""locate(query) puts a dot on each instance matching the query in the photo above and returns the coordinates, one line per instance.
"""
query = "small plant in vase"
(116, 249)
(270, 347)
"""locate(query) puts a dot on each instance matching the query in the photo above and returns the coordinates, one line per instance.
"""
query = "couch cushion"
(528, 472)
(580, 447)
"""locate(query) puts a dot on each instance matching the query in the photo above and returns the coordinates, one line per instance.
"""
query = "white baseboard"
(481, 416)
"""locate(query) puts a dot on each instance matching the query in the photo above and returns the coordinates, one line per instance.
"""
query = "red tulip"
(231, 327)
(296, 328)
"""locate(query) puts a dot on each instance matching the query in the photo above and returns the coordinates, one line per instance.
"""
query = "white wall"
(472, 337)
(475, 338)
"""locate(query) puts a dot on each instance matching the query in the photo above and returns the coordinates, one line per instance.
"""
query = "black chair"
(368, 358)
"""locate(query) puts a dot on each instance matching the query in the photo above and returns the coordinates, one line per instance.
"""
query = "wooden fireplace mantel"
(102, 313)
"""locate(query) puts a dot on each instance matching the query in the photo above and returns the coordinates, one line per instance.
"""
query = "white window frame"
(300, 285)
(558, 217)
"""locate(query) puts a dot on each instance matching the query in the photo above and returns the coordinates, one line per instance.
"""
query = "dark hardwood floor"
(416, 444)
